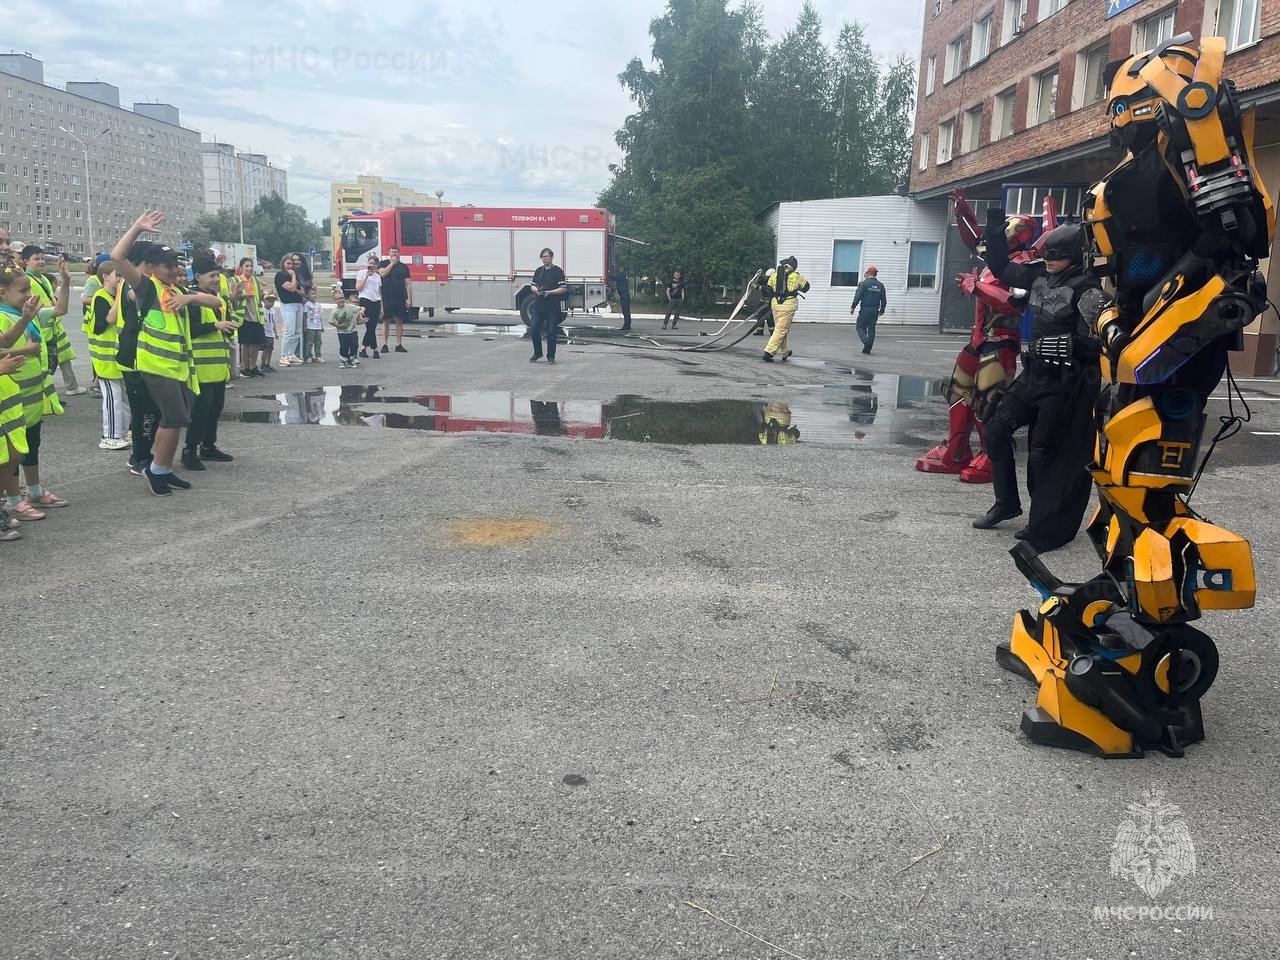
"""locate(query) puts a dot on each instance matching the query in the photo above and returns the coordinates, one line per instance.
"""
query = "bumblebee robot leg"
(1120, 670)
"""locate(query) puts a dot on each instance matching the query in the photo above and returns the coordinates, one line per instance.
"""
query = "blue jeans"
(292, 345)
(546, 315)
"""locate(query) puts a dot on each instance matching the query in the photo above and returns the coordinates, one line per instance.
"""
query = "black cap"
(161, 254)
(203, 263)
(138, 252)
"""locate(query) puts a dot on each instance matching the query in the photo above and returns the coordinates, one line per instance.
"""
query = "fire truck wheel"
(526, 311)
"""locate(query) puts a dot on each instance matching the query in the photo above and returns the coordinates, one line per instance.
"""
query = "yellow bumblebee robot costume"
(1181, 223)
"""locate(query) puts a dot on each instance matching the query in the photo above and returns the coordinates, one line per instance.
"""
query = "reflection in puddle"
(831, 414)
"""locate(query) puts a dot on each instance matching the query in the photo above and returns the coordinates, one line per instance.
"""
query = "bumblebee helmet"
(1132, 104)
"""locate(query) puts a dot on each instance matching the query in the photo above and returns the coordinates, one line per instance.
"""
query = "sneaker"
(364, 353)
(400, 348)
(48, 499)
(319, 359)
(25, 511)
(210, 452)
(376, 354)
(353, 362)
(136, 468)
(7, 535)
(385, 349)
(253, 372)
(229, 386)
(190, 460)
(76, 392)
(551, 360)
(266, 368)
(110, 444)
(535, 358)
(7, 522)
(159, 483)
(177, 482)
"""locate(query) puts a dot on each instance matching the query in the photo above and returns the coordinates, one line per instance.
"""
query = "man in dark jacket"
(871, 297)
(1054, 393)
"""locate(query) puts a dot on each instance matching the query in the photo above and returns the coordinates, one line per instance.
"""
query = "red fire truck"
(482, 257)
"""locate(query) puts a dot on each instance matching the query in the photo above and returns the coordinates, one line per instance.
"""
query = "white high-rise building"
(238, 180)
(76, 168)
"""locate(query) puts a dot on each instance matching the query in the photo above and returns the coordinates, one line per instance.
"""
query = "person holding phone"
(397, 298)
(369, 292)
(291, 291)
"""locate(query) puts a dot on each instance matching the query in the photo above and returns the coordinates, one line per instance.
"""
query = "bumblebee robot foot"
(1108, 685)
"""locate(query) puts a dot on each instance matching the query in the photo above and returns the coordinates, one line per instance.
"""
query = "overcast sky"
(494, 101)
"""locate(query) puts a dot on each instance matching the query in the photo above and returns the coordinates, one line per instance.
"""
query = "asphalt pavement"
(468, 657)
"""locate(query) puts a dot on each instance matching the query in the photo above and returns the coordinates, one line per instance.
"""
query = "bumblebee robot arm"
(1182, 222)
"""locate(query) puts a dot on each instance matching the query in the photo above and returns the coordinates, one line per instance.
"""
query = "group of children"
(163, 355)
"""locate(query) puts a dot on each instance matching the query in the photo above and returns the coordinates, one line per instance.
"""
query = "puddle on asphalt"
(874, 404)
(568, 331)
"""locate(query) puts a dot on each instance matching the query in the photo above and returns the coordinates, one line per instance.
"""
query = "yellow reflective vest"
(164, 340)
(211, 351)
(56, 338)
(104, 346)
(35, 386)
(13, 421)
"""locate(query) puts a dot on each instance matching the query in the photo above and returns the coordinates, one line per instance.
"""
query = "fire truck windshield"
(358, 238)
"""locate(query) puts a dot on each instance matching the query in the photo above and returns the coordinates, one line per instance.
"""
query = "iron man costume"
(988, 362)
(1181, 223)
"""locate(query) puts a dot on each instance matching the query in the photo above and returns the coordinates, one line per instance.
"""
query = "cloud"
(494, 102)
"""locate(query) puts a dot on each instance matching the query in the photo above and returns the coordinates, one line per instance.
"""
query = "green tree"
(279, 227)
(211, 228)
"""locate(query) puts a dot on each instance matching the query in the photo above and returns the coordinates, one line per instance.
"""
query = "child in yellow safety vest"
(16, 316)
(51, 314)
(104, 323)
(163, 356)
(210, 344)
(20, 308)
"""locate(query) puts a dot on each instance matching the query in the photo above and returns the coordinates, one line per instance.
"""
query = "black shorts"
(394, 311)
(251, 334)
(173, 398)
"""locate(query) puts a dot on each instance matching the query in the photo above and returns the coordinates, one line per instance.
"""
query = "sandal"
(25, 511)
(49, 499)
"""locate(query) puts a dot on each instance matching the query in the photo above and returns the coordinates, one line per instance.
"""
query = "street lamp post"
(88, 189)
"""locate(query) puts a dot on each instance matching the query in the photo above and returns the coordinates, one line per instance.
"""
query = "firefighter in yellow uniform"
(784, 286)
(210, 333)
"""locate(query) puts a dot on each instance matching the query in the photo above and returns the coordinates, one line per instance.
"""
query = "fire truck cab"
(482, 257)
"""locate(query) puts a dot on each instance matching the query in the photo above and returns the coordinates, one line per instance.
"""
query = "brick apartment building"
(1011, 102)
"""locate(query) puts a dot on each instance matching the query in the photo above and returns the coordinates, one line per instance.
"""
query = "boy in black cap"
(161, 345)
(210, 332)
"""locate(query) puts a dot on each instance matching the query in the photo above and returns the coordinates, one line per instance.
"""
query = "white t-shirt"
(270, 317)
(371, 290)
(313, 316)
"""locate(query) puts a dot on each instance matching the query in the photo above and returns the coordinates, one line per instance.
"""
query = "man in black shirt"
(397, 298)
(548, 287)
(675, 299)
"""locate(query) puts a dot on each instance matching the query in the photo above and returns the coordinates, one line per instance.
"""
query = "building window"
(931, 70)
(1049, 7)
(981, 44)
(924, 152)
(1240, 21)
(846, 263)
(946, 134)
(1089, 84)
(955, 60)
(1041, 105)
(1002, 116)
(922, 266)
(971, 131)
(1154, 30)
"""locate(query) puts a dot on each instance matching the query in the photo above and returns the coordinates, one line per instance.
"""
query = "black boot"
(768, 357)
(998, 514)
(190, 460)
